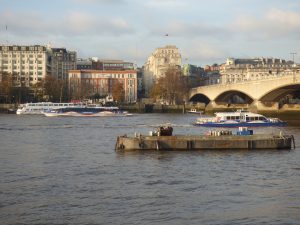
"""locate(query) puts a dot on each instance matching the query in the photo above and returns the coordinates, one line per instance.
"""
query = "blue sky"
(205, 32)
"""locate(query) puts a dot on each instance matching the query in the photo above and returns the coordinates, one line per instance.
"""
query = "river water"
(65, 171)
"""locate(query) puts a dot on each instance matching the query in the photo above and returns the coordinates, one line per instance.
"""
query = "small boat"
(87, 112)
(239, 118)
(194, 111)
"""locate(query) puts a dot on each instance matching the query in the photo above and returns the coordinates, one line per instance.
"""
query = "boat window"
(55, 104)
(65, 104)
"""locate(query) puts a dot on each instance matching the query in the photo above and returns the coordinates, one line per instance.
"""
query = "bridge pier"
(210, 106)
(259, 106)
(214, 106)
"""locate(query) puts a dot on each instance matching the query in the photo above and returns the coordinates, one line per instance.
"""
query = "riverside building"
(241, 70)
(61, 62)
(103, 64)
(30, 64)
(158, 63)
(102, 82)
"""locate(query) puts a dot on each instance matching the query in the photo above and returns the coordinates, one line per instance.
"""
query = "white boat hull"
(100, 114)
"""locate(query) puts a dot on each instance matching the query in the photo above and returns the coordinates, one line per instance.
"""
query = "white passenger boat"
(87, 112)
(40, 107)
(239, 118)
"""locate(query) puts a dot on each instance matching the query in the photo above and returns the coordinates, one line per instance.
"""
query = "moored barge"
(244, 139)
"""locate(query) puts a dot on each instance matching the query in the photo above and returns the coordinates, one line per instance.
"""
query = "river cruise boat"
(239, 118)
(87, 112)
(40, 107)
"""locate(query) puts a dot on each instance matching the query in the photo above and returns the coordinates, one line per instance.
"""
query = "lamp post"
(294, 76)
(293, 54)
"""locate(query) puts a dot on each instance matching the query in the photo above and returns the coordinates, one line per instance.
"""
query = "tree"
(173, 87)
(6, 87)
(55, 89)
(38, 91)
(118, 92)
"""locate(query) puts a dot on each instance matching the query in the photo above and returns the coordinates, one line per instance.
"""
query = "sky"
(205, 32)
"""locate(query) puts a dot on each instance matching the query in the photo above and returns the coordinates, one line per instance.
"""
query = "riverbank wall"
(8, 108)
(287, 109)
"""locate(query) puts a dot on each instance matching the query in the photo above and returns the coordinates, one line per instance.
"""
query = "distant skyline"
(205, 32)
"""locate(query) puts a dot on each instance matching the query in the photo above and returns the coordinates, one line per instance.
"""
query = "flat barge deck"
(199, 142)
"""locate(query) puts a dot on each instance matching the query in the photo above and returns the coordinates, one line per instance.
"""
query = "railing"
(294, 75)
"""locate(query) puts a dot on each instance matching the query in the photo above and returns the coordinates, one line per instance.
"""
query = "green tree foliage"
(172, 88)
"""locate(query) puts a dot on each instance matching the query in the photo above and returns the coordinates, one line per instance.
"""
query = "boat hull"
(265, 124)
(204, 142)
(74, 114)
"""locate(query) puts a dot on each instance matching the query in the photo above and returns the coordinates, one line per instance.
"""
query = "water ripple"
(65, 171)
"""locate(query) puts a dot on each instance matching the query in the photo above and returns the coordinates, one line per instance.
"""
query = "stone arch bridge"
(261, 94)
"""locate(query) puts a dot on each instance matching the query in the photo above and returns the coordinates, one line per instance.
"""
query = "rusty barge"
(243, 139)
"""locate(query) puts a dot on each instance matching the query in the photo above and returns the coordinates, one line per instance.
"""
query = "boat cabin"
(240, 116)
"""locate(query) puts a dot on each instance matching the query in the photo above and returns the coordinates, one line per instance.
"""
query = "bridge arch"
(274, 95)
(234, 96)
(200, 98)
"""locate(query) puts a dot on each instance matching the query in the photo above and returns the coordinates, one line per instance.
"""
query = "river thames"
(65, 171)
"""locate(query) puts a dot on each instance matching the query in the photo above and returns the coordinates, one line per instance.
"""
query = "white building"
(240, 70)
(158, 63)
(30, 64)
(27, 64)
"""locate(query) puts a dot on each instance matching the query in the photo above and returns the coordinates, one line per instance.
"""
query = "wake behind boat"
(87, 112)
(239, 118)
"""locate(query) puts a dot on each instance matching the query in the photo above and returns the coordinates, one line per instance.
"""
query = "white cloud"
(275, 23)
(166, 4)
(99, 1)
(72, 23)
(195, 29)
(203, 52)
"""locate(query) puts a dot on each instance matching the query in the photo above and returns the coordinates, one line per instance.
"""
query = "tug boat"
(239, 118)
